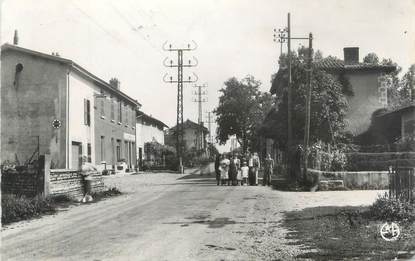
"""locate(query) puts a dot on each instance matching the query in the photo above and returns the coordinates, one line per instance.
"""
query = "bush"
(15, 208)
(392, 209)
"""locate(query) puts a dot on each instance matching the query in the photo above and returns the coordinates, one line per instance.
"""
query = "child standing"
(244, 172)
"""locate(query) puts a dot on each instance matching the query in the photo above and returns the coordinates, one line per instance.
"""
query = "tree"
(407, 85)
(394, 99)
(328, 103)
(371, 58)
(241, 109)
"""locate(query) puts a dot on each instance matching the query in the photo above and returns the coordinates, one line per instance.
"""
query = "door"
(76, 155)
(140, 158)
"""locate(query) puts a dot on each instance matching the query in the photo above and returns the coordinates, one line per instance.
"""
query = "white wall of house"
(79, 90)
(147, 133)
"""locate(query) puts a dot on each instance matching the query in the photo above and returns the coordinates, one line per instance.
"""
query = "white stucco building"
(148, 129)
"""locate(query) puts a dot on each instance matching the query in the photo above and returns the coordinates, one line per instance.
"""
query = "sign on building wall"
(129, 137)
(385, 83)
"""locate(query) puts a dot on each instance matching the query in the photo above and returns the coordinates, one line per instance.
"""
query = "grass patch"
(16, 208)
(338, 233)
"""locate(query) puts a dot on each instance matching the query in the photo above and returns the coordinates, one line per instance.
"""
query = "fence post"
(46, 175)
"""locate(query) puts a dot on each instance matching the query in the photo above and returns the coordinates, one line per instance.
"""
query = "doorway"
(76, 155)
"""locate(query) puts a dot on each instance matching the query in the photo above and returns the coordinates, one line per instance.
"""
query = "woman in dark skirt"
(233, 171)
(217, 170)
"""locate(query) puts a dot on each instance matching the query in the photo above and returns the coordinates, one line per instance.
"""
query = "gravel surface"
(165, 216)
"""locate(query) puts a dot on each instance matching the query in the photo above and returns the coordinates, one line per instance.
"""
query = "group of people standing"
(238, 170)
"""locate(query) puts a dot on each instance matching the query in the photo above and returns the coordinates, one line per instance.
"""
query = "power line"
(108, 33)
(133, 27)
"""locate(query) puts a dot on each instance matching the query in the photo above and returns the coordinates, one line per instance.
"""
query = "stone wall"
(71, 182)
(31, 182)
(28, 182)
(352, 179)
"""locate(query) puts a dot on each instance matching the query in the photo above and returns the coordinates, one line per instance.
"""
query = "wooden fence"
(401, 183)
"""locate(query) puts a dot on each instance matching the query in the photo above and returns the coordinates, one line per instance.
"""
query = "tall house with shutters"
(53, 105)
(368, 85)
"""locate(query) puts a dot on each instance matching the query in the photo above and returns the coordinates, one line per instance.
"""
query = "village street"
(170, 217)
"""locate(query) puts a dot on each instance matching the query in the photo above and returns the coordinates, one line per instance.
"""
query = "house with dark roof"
(194, 136)
(52, 105)
(369, 91)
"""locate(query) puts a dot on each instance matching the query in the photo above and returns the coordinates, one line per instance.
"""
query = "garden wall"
(352, 179)
(31, 182)
(359, 161)
(71, 182)
(27, 182)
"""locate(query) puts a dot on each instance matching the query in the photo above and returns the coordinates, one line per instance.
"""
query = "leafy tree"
(407, 85)
(242, 108)
(371, 58)
(328, 103)
(394, 99)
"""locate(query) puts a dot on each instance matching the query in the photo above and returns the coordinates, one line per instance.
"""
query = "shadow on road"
(219, 222)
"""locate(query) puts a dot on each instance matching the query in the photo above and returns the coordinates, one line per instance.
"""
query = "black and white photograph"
(207, 130)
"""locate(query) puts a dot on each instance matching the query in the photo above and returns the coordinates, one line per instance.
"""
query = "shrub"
(392, 209)
(15, 208)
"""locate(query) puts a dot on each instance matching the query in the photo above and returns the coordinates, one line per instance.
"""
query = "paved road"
(170, 217)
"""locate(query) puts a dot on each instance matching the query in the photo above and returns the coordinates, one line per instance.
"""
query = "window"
(113, 151)
(119, 111)
(87, 112)
(118, 150)
(102, 107)
(126, 114)
(133, 119)
(89, 152)
(112, 108)
(102, 148)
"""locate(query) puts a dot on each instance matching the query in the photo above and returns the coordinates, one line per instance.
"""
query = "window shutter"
(85, 112)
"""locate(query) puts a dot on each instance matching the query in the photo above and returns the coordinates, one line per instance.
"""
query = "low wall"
(27, 182)
(206, 169)
(32, 182)
(71, 182)
(352, 179)
(378, 161)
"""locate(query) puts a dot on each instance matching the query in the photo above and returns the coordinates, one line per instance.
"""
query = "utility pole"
(199, 93)
(308, 102)
(179, 65)
(281, 38)
(210, 121)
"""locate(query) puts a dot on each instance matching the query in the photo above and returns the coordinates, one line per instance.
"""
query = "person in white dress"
(244, 173)
(224, 168)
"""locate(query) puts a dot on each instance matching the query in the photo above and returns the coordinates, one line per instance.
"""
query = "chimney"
(15, 38)
(115, 83)
(351, 55)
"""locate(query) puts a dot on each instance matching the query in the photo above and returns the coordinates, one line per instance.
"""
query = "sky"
(124, 39)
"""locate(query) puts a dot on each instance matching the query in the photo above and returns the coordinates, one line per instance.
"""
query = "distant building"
(148, 129)
(70, 111)
(194, 136)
